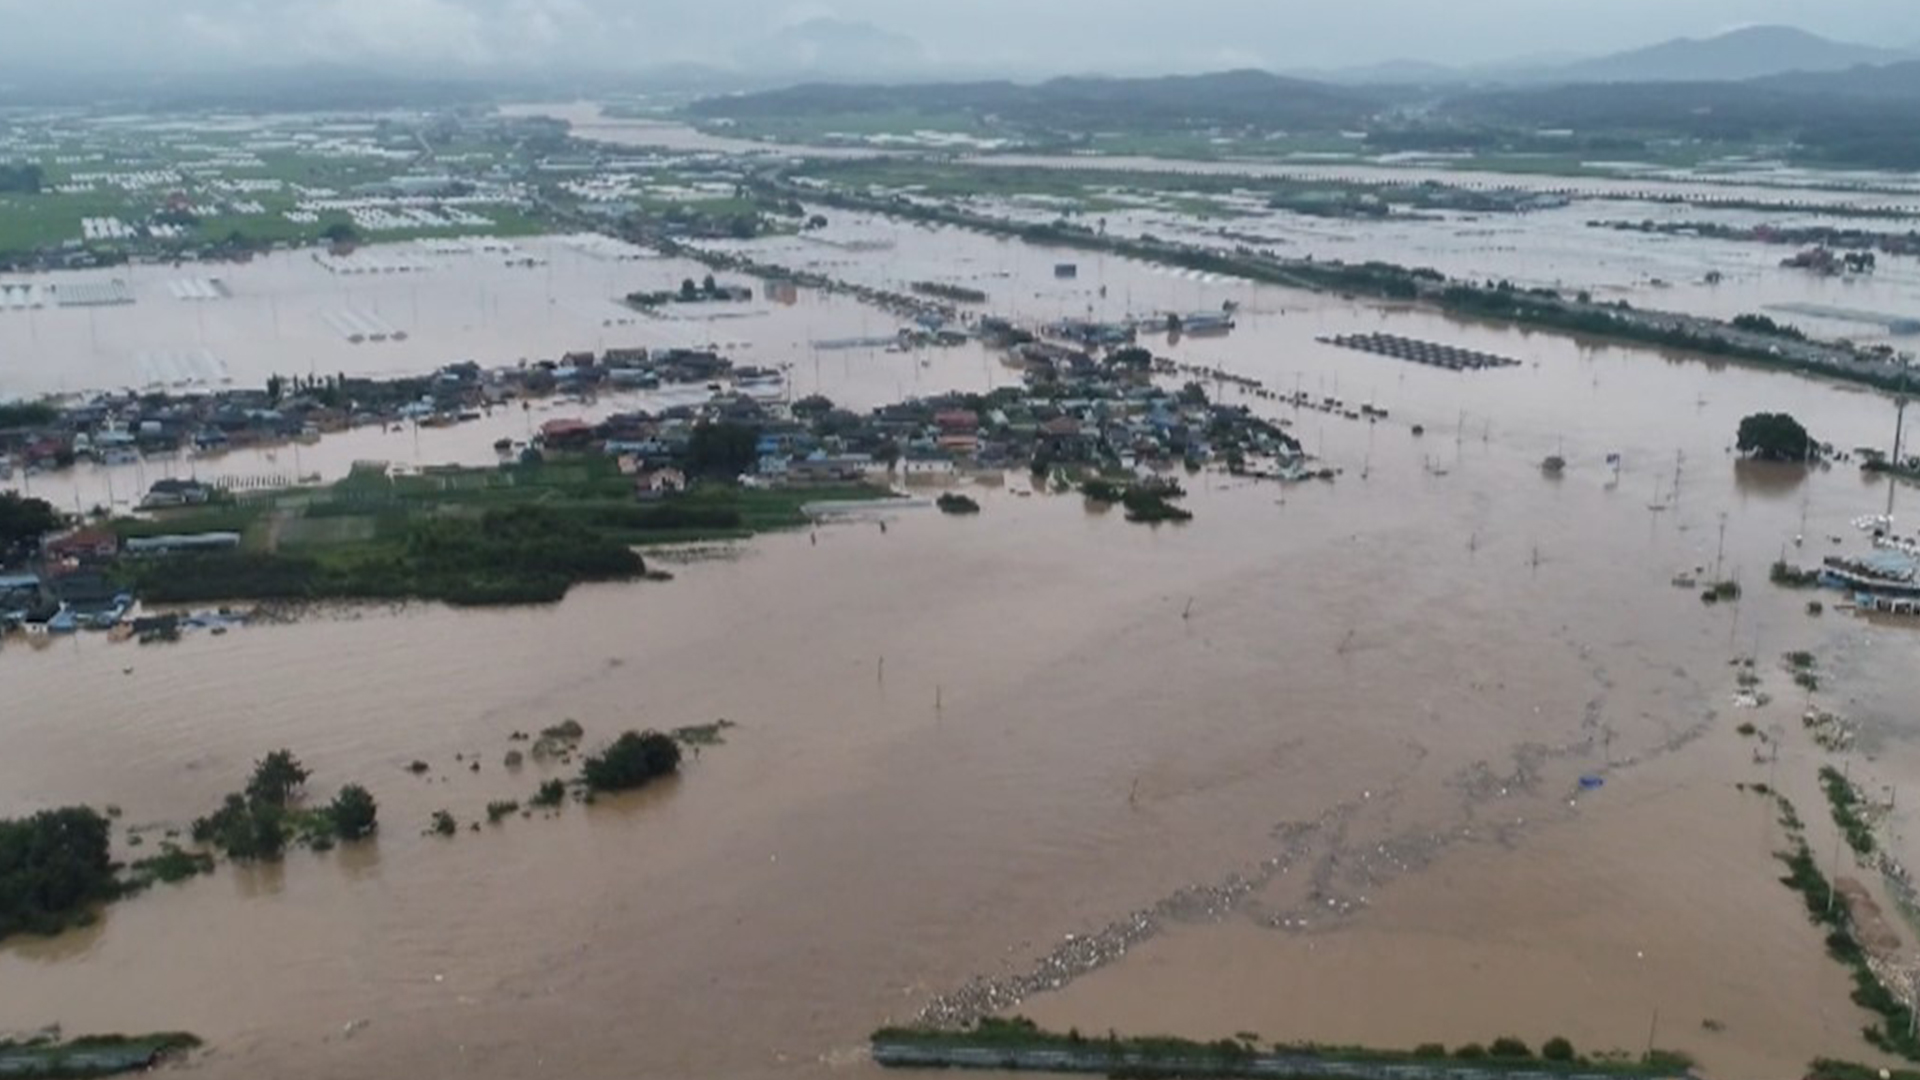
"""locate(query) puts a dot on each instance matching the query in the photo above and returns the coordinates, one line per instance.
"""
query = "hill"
(1860, 118)
(1750, 53)
(1232, 99)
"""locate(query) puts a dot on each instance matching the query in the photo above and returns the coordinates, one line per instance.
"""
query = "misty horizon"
(873, 39)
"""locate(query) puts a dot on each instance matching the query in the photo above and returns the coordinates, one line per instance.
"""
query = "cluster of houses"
(69, 589)
(72, 584)
(124, 426)
(1075, 409)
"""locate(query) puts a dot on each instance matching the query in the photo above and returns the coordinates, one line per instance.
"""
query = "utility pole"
(1721, 553)
(1900, 402)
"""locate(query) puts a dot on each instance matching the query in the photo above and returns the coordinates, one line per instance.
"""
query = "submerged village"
(1095, 411)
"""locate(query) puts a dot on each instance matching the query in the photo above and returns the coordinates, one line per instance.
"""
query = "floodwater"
(485, 300)
(961, 740)
(1786, 188)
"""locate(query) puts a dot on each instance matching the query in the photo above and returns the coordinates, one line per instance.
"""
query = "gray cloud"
(1027, 35)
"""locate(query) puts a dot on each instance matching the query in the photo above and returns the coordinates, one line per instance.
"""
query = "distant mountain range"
(1083, 103)
(1752, 53)
(1749, 53)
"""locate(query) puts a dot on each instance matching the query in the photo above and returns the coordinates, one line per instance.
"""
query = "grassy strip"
(1845, 800)
(1243, 1056)
(93, 1055)
(1830, 1069)
(1893, 1033)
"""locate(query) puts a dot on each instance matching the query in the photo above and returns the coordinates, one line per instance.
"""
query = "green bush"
(174, 864)
(1508, 1047)
(551, 793)
(353, 813)
(634, 759)
(1557, 1049)
(245, 829)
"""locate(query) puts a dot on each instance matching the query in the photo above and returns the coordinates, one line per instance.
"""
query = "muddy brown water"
(1075, 718)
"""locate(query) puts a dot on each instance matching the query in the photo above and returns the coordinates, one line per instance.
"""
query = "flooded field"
(388, 310)
(1329, 737)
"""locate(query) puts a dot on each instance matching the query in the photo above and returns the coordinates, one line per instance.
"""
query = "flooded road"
(961, 740)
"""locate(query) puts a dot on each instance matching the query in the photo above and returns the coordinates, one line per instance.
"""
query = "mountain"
(1750, 53)
(1173, 102)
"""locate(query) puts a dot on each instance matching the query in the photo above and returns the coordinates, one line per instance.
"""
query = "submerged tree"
(276, 778)
(634, 759)
(354, 813)
(1774, 437)
(53, 867)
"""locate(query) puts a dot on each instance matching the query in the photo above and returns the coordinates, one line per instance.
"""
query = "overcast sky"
(1028, 35)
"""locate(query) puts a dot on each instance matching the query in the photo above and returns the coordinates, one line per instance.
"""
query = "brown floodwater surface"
(961, 740)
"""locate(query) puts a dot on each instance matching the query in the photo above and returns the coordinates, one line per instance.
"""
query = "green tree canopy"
(276, 778)
(634, 759)
(23, 521)
(53, 865)
(722, 449)
(354, 813)
(1774, 437)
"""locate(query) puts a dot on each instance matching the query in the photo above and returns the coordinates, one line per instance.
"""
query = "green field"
(514, 534)
(214, 161)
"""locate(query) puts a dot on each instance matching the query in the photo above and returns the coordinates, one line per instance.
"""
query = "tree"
(1774, 437)
(340, 232)
(708, 285)
(276, 778)
(269, 826)
(53, 866)
(27, 414)
(1761, 324)
(634, 759)
(277, 388)
(354, 813)
(21, 179)
(1557, 1049)
(722, 449)
(812, 405)
(23, 521)
(1509, 1047)
(246, 829)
